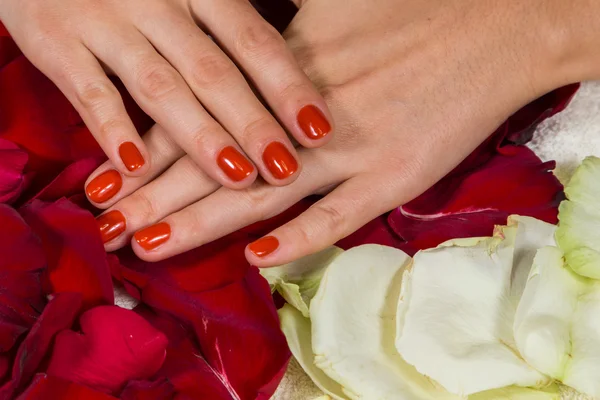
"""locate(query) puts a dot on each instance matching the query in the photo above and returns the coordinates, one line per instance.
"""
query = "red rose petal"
(12, 164)
(470, 205)
(230, 308)
(74, 251)
(145, 390)
(58, 315)
(115, 346)
(3, 31)
(21, 264)
(46, 387)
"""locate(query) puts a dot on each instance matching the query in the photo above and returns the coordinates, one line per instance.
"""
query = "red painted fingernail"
(131, 156)
(153, 236)
(280, 161)
(234, 164)
(264, 246)
(111, 224)
(103, 187)
(313, 122)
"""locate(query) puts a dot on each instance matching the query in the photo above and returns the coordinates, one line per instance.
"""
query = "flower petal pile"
(206, 326)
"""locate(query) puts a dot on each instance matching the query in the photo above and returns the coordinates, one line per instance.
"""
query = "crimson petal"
(115, 345)
(147, 390)
(469, 205)
(12, 164)
(74, 250)
(46, 387)
(58, 315)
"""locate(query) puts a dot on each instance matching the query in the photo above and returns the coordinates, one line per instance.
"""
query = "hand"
(180, 77)
(414, 87)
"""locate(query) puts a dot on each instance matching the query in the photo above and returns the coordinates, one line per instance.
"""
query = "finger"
(226, 211)
(163, 94)
(155, 201)
(263, 55)
(83, 81)
(105, 186)
(224, 92)
(332, 218)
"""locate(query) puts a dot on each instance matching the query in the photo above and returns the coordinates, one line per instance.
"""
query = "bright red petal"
(115, 346)
(21, 264)
(74, 250)
(58, 315)
(229, 307)
(471, 204)
(46, 387)
(12, 165)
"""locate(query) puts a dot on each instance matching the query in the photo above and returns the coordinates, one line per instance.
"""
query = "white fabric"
(567, 138)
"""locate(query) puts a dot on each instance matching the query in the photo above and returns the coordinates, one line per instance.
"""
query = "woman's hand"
(414, 87)
(181, 78)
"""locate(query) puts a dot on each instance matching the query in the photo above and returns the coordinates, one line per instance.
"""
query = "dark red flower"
(46, 387)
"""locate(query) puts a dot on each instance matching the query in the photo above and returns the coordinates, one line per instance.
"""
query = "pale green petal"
(298, 281)
(578, 235)
(297, 330)
(542, 325)
(455, 317)
(519, 393)
(353, 316)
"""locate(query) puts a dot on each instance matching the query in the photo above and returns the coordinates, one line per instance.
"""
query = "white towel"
(567, 138)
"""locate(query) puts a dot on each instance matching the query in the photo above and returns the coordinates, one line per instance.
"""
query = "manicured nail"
(234, 164)
(153, 236)
(313, 122)
(103, 187)
(264, 246)
(111, 224)
(131, 156)
(280, 161)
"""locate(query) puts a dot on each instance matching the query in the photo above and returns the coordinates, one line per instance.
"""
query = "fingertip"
(133, 158)
(314, 124)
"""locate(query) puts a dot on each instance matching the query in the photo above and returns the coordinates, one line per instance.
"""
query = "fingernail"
(153, 236)
(280, 161)
(131, 156)
(313, 122)
(264, 246)
(111, 224)
(103, 187)
(234, 164)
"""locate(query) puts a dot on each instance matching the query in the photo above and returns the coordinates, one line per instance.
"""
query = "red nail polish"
(112, 224)
(234, 164)
(153, 236)
(313, 122)
(103, 187)
(264, 246)
(131, 156)
(280, 161)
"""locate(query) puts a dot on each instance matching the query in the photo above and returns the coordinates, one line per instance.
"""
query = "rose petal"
(3, 31)
(58, 315)
(229, 308)
(470, 205)
(74, 250)
(115, 345)
(21, 263)
(145, 390)
(12, 164)
(46, 387)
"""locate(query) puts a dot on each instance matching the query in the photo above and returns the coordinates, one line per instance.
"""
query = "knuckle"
(157, 82)
(331, 219)
(211, 70)
(90, 95)
(253, 38)
(256, 129)
(144, 206)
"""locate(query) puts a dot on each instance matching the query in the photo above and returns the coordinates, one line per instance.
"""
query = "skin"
(193, 87)
(414, 86)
